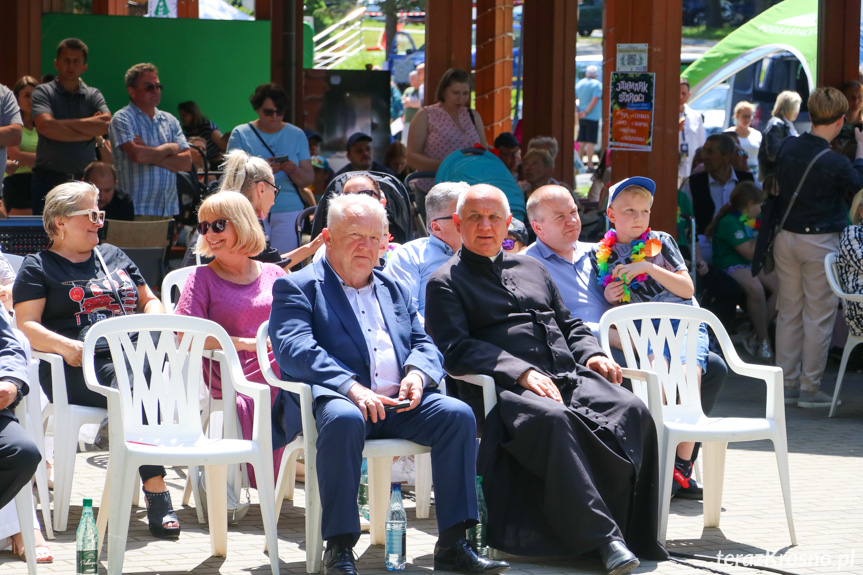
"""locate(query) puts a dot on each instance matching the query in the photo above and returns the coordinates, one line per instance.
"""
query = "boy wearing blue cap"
(636, 264)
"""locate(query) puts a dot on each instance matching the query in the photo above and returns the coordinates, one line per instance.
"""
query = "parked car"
(589, 16)
(759, 82)
(732, 12)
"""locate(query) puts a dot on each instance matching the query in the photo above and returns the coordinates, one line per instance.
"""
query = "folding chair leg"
(380, 473)
(24, 505)
(781, 448)
(217, 508)
(422, 462)
(842, 366)
(714, 477)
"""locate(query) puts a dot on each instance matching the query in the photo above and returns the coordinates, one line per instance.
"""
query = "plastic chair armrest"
(489, 390)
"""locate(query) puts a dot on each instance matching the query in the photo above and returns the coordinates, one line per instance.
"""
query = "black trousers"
(19, 457)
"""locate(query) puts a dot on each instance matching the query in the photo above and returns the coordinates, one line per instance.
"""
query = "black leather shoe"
(617, 559)
(339, 560)
(464, 558)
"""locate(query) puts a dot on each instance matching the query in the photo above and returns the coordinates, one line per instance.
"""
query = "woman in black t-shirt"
(62, 291)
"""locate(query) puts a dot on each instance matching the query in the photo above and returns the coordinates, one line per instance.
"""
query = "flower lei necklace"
(752, 223)
(641, 248)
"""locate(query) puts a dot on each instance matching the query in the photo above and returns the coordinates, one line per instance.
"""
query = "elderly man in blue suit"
(354, 335)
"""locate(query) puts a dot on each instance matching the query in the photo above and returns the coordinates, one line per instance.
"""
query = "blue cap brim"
(641, 181)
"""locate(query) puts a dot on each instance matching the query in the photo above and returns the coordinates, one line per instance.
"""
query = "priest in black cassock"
(568, 457)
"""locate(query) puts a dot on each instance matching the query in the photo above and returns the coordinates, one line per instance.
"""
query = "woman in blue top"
(271, 138)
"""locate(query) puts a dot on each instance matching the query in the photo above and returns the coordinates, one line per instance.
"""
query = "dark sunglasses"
(373, 193)
(218, 227)
(271, 112)
(507, 244)
(276, 189)
(149, 87)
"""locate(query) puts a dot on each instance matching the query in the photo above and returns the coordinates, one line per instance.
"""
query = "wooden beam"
(111, 7)
(187, 8)
(285, 69)
(494, 39)
(22, 40)
(263, 9)
(548, 49)
(448, 40)
(657, 23)
(838, 42)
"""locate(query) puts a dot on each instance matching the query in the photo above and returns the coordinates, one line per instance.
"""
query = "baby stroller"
(398, 204)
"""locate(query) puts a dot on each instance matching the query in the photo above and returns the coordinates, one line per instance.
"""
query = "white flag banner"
(162, 8)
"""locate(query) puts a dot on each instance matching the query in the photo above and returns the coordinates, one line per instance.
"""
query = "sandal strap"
(160, 505)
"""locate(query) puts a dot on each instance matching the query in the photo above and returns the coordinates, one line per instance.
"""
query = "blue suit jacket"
(317, 338)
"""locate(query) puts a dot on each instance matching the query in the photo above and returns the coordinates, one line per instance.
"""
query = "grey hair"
(544, 143)
(462, 198)
(63, 200)
(440, 197)
(591, 71)
(135, 72)
(241, 171)
(354, 203)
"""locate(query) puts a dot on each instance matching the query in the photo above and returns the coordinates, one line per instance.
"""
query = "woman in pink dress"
(442, 128)
(233, 290)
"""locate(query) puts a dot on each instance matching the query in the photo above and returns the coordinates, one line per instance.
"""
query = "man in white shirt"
(691, 135)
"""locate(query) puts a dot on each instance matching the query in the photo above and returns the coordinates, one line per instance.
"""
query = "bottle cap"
(88, 502)
(397, 487)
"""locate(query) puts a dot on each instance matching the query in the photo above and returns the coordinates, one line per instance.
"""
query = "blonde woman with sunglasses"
(61, 292)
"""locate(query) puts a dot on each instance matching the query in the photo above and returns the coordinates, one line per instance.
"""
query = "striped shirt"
(153, 189)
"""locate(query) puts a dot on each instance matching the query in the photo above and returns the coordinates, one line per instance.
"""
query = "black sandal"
(159, 512)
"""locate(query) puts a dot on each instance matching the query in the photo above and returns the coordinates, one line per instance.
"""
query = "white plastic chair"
(173, 434)
(831, 266)
(33, 425)
(24, 498)
(68, 420)
(378, 452)
(684, 420)
(174, 279)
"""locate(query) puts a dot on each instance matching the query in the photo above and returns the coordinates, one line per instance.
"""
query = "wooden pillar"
(549, 29)
(657, 23)
(20, 41)
(448, 39)
(111, 7)
(263, 9)
(494, 40)
(838, 42)
(187, 8)
(286, 54)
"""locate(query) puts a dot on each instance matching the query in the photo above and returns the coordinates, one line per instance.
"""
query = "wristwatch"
(18, 397)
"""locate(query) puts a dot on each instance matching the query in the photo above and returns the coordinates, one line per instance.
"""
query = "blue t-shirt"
(585, 90)
(289, 141)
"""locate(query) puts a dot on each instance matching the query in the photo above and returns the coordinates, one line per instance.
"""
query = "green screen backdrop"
(216, 63)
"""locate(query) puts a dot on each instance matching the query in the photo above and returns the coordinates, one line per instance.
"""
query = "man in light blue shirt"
(149, 147)
(555, 220)
(588, 91)
(414, 262)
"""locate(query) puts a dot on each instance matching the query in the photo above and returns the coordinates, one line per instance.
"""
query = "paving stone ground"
(826, 460)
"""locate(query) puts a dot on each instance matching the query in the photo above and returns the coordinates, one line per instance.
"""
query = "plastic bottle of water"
(87, 542)
(476, 535)
(363, 496)
(395, 553)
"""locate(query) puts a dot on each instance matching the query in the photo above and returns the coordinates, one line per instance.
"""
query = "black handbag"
(763, 258)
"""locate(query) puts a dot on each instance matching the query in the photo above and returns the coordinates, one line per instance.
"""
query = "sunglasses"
(217, 225)
(373, 193)
(507, 244)
(95, 216)
(150, 87)
(276, 189)
(271, 112)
